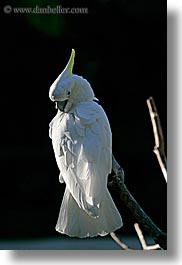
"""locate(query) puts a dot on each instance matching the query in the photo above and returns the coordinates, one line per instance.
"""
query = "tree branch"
(142, 239)
(118, 184)
(159, 149)
(118, 241)
(148, 225)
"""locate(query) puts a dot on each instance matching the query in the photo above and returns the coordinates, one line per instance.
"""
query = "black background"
(121, 50)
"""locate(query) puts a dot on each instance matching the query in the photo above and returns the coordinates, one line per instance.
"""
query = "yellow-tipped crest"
(67, 72)
(69, 66)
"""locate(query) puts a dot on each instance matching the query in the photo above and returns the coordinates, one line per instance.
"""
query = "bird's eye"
(68, 93)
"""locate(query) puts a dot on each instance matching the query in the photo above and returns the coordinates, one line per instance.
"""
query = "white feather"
(82, 143)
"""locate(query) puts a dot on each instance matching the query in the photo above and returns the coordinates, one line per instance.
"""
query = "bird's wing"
(87, 155)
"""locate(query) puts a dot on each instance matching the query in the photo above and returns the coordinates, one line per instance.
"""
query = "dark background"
(121, 50)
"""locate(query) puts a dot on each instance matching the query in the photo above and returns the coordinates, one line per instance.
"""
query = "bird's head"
(70, 89)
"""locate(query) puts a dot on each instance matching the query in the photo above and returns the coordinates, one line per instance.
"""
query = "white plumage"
(82, 144)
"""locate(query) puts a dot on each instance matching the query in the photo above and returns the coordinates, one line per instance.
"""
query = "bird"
(82, 144)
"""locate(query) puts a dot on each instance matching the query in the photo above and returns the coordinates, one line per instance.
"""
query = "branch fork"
(117, 183)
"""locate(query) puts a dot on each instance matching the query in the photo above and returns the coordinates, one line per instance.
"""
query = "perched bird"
(82, 143)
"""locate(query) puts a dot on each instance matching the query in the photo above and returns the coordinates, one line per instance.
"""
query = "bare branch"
(148, 225)
(140, 236)
(118, 170)
(118, 241)
(159, 149)
(142, 239)
(118, 184)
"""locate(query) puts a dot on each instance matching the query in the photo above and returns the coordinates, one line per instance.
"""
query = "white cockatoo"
(82, 143)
